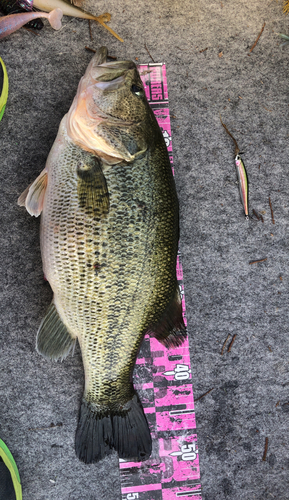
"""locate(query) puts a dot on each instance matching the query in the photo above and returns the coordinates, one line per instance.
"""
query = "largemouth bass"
(109, 239)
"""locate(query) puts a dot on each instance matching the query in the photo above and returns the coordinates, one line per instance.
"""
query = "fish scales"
(103, 271)
(109, 237)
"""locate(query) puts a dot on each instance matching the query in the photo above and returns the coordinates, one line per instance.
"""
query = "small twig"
(51, 426)
(232, 342)
(224, 344)
(257, 261)
(259, 216)
(88, 48)
(237, 150)
(272, 215)
(90, 32)
(149, 53)
(203, 395)
(31, 31)
(203, 50)
(267, 109)
(256, 215)
(265, 450)
(254, 44)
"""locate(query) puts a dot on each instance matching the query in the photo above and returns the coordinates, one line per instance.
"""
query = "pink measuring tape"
(162, 378)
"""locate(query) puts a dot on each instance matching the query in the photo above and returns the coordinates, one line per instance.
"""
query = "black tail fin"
(93, 439)
(126, 431)
(131, 435)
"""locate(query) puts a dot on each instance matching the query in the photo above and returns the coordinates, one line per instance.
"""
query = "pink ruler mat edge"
(163, 378)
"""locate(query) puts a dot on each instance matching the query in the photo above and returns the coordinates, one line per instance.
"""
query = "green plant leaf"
(5, 86)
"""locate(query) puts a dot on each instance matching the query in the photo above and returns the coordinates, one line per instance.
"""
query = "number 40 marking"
(181, 372)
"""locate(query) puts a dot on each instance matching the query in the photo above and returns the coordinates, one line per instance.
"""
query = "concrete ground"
(210, 70)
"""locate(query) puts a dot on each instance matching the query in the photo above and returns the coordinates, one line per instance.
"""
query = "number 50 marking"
(188, 452)
(132, 496)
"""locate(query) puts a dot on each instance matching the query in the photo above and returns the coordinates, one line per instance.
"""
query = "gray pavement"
(205, 45)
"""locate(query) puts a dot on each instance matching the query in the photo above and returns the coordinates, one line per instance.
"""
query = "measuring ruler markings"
(162, 378)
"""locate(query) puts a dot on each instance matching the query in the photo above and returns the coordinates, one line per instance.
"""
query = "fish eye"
(136, 89)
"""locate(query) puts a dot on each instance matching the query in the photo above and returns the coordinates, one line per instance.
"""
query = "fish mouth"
(108, 76)
(89, 124)
(104, 74)
(109, 71)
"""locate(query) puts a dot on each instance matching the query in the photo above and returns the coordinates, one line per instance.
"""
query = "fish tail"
(54, 17)
(131, 435)
(94, 437)
(126, 431)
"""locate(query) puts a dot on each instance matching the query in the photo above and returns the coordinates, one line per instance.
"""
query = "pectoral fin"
(53, 339)
(171, 330)
(33, 196)
(92, 190)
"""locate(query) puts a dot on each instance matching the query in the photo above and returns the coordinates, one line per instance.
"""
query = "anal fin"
(53, 339)
(171, 330)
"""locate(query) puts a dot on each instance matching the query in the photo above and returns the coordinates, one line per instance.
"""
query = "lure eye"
(136, 90)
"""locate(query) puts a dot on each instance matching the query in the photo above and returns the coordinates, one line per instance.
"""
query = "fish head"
(118, 91)
(110, 112)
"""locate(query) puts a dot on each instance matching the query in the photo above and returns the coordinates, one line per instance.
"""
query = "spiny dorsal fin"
(33, 196)
(92, 190)
(53, 339)
(171, 330)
